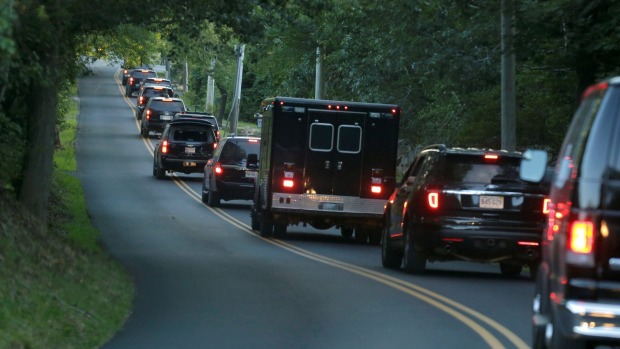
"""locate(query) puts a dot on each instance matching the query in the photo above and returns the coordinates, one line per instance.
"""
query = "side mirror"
(533, 165)
(252, 161)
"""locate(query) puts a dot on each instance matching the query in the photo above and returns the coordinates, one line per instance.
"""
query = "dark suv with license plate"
(577, 295)
(200, 116)
(230, 174)
(135, 78)
(158, 112)
(148, 91)
(185, 146)
(464, 204)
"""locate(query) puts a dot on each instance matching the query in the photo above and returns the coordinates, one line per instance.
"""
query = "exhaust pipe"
(448, 248)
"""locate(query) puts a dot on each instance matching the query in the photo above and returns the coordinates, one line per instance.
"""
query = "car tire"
(204, 195)
(390, 258)
(414, 260)
(266, 224)
(559, 341)
(510, 270)
(158, 171)
(213, 198)
(361, 235)
(279, 230)
(374, 237)
(254, 218)
(144, 131)
(346, 232)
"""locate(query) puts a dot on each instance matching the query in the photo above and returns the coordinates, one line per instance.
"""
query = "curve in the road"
(466, 315)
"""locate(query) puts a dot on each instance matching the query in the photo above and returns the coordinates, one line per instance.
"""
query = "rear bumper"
(334, 209)
(589, 319)
(480, 245)
(184, 165)
(235, 190)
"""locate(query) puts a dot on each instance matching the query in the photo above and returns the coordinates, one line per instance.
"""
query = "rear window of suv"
(150, 92)
(167, 106)
(475, 169)
(192, 133)
(235, 152)
(142, 75)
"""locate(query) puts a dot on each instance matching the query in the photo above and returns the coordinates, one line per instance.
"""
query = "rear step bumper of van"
(328, 204)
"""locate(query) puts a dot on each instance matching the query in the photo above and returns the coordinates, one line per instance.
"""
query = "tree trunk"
(39, 162)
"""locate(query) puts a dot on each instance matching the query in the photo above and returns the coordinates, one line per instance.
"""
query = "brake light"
(217, 134)
(164, 147)
(214, 145)
(249, 140)
(546, 206)
(148, 114)
(130, 81)
(375, 189)
(125, 71)
(433, 200)
(491, 157)
(581, 237)
(602, 86)
(288, 183)
(218, 169)
(141, 100)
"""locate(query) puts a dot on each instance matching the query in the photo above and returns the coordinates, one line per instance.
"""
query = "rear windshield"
(476, 169)
(167, 106)
(192, 133)
(159, 92)
(142, 75)
(235, 152)
(157, 82)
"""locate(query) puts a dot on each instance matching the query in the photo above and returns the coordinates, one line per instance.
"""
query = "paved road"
(205, 280)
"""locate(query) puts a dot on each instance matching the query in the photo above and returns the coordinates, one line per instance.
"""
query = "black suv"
(135, 77)
(155, 81)
(577, 296)
(464, 204)
(230, 174)
(158, 113)
(148, 91)
(185, 146)
(200, 116)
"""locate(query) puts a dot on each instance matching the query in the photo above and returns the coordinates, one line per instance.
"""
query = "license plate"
(189, 164)
(190, 150)
(331, 206)
(251, 174)
(166, 117)
(491, 202)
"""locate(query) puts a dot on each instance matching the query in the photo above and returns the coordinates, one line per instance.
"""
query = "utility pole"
(210, 94)
(509, 118)
(319, 81)
(234, 112)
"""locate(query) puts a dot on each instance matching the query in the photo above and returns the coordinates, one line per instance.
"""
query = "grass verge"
(58, 287)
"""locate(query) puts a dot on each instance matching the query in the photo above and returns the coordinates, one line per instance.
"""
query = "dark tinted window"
(321, 137)
(192, 133)
(167, 106)
(349, 139)
(235, 152)
(475, 169)
(142, 75)
(157, 92)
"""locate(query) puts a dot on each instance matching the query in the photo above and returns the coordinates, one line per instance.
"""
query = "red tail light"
(148, 114)
(214, 145)
(130, 81)
(218, 169)
(581, 237)
(375, 189)
(164, 147)
(433, 200)
(491, 157)
(141, 100)
(546, 206)
(288, 183)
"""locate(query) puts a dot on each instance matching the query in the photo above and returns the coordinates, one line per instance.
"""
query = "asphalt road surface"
(204, 279)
